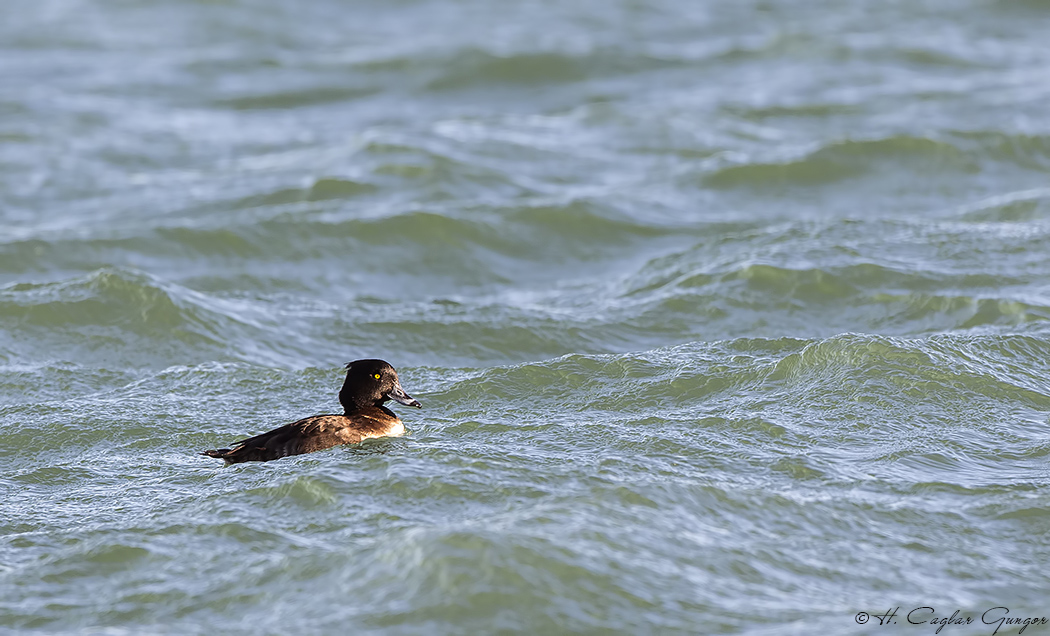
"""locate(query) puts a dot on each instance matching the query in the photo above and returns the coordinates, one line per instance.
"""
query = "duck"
(369, 384)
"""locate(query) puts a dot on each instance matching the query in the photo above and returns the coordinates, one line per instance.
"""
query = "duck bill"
(398, 394)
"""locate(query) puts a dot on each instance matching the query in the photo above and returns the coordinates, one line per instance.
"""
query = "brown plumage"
(368, 384)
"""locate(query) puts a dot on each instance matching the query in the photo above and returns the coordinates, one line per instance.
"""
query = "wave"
(321, 189)
(121, 312)
(851, 275)
(841, 160)
(683, 373)
(132, 300)
(478, 67)
(834, 161)
(296, 98)
(1012, 207)
(859, 404)
(388, 285)
(577, 229)
(1030, 152)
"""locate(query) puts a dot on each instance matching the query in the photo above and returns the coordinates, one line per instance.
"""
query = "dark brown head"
(370, 383)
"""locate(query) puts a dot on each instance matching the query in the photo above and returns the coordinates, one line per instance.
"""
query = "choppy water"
(727, 316)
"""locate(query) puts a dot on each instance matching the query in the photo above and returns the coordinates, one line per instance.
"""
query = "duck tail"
(221, 453)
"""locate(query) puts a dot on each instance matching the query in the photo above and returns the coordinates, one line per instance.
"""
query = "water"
(727, 317)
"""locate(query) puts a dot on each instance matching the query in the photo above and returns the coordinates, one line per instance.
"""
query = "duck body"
(368, 384)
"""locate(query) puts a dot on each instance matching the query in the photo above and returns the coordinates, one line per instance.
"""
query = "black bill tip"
(398, 395)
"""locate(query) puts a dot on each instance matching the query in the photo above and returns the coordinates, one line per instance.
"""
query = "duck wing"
(305, 436)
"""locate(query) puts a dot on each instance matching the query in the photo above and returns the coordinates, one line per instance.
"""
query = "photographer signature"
(998, 616)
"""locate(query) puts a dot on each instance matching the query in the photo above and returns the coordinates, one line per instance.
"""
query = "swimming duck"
(368, 384)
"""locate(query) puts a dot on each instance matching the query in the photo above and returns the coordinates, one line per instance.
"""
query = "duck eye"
(377, 376)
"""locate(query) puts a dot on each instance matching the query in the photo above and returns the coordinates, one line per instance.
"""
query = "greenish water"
(727, 317)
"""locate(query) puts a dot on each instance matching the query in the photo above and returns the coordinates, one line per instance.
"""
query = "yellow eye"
(377, 376)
